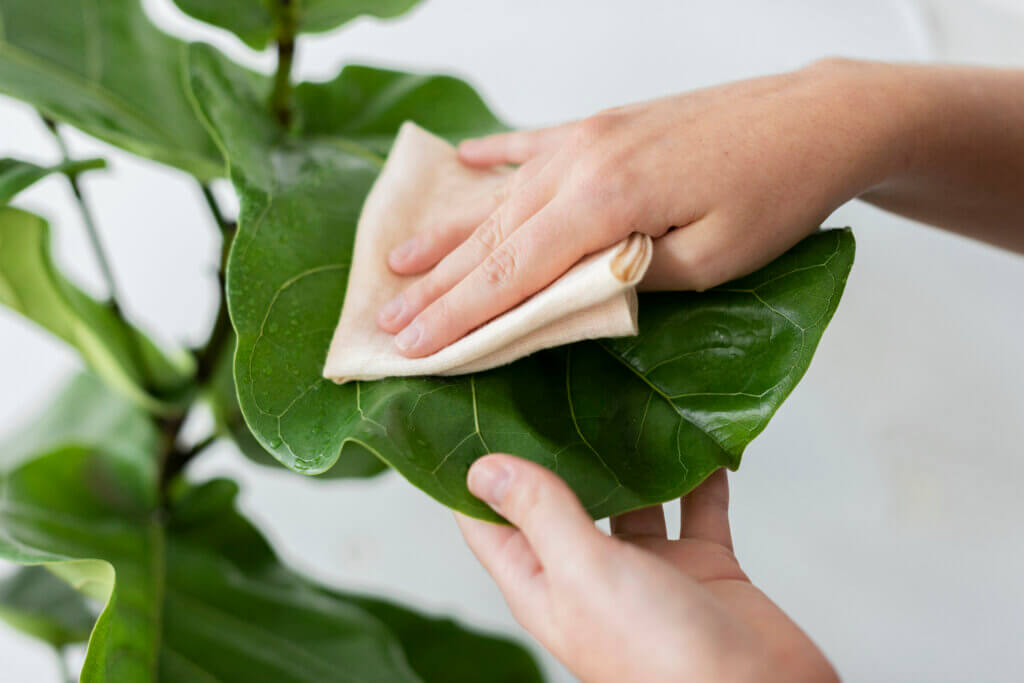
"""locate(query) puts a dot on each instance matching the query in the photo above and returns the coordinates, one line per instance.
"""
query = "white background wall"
(880, 508)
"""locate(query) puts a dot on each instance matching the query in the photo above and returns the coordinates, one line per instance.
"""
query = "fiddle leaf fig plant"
(157, 570)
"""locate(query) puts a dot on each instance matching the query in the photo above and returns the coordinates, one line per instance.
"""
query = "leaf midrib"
(658, 390)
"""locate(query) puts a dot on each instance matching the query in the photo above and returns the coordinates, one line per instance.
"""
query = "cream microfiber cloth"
(420, 182)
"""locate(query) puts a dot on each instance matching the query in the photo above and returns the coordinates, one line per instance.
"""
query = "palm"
(704, 557)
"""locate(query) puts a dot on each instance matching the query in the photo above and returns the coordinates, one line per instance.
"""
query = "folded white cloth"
(421, 180)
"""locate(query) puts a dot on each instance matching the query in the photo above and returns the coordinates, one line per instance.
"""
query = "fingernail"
(403, 250)
(392, 309)
(409, 337)
(489, 482)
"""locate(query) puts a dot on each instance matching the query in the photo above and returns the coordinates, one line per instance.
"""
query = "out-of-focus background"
(881, 508)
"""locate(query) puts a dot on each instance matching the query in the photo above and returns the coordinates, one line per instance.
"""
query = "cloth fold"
(421, 180)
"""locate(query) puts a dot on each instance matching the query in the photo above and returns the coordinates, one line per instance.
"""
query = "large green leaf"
(101, 66)
(257, 22)
(16, 175)
(36, 602)
(627, 423)
(116, 352)
(191, 591)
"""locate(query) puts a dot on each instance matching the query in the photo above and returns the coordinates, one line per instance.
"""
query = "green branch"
(220, 335)
(99, 252)
(281, 100)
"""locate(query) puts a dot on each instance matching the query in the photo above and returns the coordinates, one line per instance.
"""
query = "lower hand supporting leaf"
(635, 606)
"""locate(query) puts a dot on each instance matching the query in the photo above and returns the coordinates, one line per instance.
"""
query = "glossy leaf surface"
(192, 592)
(122, 356)
(627, 423)
(223, 401)
(16, 175)
(102, 67)
(258, 22)
(36, 602)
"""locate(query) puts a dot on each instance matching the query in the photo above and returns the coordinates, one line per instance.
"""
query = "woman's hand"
(636, 606)
(726, 178)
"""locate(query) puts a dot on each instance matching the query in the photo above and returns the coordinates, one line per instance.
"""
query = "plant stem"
(210, 353)
(211, 202)
(62, 665)
(172, 459)
(176, 461)
(90, 224)
(100, 254)
(281, 97)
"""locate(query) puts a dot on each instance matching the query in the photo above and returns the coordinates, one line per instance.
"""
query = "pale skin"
(634, 606)
(725, 180)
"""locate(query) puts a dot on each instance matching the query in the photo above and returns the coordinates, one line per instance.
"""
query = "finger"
(705, 511)
(536, 254)
(513, 212)
(427, 247)
(539, 504)
(694, 558)
(510, 148)
(681, 257)
(649, 521)
(507, 556)
(714, 249)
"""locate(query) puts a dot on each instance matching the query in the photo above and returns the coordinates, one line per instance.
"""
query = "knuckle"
(501, 266)
(501, 192)
(518, 145)
(697, 262)
(522, 499)
(830, 63)
(437, 314)
(491, 232)
(594, 128)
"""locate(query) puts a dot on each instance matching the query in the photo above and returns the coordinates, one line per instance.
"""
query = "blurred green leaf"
(102, 67)
(439, 649)
(702, 379)
(258, 22)
(85, 413)
(16, 175)
(31, 285)
(38, 603)
(193, 592)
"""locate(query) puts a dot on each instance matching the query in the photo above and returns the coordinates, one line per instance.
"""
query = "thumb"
(541, 505)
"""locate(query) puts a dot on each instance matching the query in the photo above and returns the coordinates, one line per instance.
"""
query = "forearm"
(958, 160)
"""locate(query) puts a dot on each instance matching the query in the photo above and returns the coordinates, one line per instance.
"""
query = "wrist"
(882, 118)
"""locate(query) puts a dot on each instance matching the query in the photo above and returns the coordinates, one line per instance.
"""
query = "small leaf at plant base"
(627, 423)
(16, 175)
(120, 355)
(38, 603)
(258, 23)
(105, 69)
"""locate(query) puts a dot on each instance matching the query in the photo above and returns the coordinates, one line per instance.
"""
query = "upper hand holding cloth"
(421, 184)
